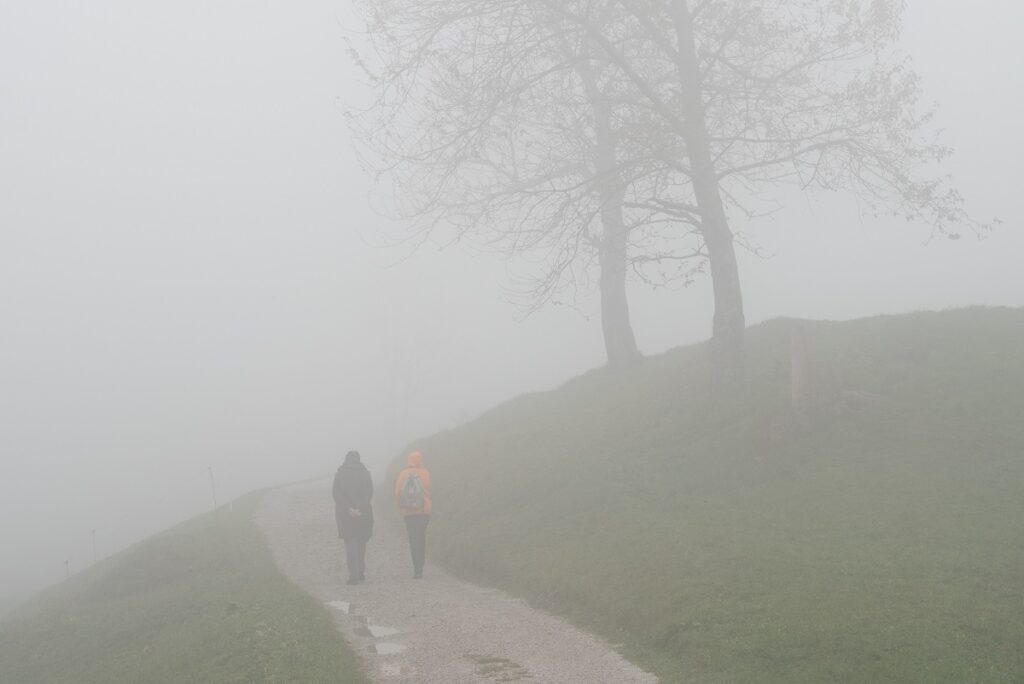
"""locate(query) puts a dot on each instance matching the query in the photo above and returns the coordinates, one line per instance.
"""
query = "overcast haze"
(186, 280)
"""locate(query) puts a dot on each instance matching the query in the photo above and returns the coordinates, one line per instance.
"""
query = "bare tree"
(496, 123)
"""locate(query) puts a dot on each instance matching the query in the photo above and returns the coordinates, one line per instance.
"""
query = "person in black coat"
(353, 489)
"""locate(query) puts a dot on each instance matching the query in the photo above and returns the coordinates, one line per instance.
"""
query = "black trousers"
(416, 526)
(355, 557)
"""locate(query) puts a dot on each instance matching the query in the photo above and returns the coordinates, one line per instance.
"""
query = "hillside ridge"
(726, 541)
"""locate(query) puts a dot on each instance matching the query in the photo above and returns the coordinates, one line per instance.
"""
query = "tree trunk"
(729, 323)
(619, 341)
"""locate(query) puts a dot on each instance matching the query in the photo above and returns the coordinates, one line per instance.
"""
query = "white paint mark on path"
(343, 606)
(377, 632)
(386, 648)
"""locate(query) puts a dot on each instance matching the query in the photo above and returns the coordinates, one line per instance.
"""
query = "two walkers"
(353, 490)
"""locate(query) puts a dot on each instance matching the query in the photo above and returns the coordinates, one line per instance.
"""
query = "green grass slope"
(720, 543)
(200, 603)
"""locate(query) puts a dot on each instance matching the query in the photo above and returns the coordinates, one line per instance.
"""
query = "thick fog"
(190, 277)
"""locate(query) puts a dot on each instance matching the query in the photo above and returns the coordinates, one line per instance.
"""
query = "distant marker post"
(213, 488)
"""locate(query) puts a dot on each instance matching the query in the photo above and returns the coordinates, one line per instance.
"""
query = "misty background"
(189, 277)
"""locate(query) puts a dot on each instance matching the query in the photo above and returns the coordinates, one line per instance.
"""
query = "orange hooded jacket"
(414, 464)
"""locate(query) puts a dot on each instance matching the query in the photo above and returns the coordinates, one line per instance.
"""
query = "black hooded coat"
(353, 489)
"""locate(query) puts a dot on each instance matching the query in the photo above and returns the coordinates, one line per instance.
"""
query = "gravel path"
(438, 629)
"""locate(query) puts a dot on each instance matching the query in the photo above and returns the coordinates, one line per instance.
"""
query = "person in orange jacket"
(412, 492)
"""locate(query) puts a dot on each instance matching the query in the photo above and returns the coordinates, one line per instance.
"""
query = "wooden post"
(801, 392)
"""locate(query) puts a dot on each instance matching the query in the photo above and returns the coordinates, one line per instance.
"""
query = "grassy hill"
(727, 542)
(202, 602)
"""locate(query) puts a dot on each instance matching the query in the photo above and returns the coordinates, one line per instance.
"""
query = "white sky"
(185, 283)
